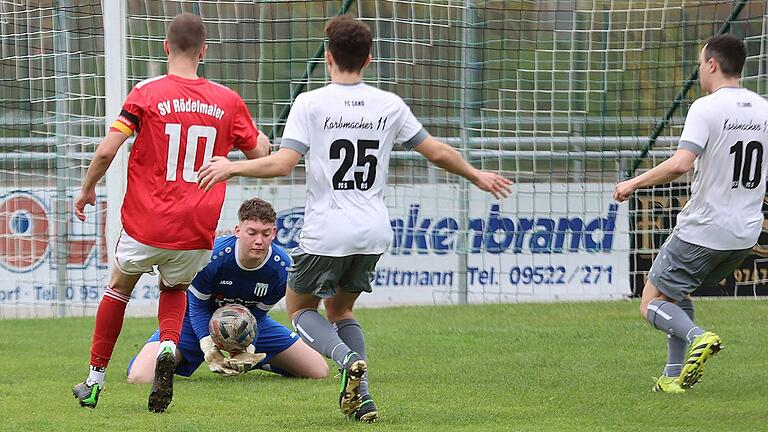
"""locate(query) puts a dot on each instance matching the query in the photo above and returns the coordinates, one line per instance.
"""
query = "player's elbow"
(443, 156)
(284, 169)
(103, 154)
(680, 167)
(139, 376)
(681, 162)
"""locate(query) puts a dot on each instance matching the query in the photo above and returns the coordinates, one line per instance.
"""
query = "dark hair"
(349, 41)
(256, 209)
(729, 51)
(186, 33)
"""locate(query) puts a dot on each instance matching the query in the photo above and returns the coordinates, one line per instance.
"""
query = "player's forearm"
(97, 169)
(277, 164)
(665, 172)
(102, 159)
(199, 317)
(257, 168)
(451, 161)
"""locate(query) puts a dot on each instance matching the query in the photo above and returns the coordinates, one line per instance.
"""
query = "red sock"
(109, 322)
(170, 314)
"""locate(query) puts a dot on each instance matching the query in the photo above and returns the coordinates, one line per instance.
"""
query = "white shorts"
(176, 267)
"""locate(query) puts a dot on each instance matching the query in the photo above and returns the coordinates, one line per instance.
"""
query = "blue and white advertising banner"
(543, 243)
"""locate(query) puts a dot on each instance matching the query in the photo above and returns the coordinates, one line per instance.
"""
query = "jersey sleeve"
(243, 130)
(129, 120)
(199, 298)
(696, 130)
(296, 132)
(412, 133)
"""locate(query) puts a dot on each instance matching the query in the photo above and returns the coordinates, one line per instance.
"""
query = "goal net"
(560, 95)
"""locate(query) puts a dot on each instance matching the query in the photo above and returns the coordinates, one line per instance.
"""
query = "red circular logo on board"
(24, 237)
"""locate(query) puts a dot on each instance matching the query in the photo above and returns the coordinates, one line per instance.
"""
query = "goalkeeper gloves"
(244, 361)
(215, 359)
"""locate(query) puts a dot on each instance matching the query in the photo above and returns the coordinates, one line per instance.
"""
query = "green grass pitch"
(524, 367)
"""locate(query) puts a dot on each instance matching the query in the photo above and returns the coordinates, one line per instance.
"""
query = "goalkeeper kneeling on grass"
(249, 270)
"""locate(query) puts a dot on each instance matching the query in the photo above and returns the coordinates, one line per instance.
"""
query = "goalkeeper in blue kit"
(247, 269)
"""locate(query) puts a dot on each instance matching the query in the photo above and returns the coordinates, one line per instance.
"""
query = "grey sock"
(319, 334)
(350, 332)
(676, 347)
(687, 306)
(672, 320)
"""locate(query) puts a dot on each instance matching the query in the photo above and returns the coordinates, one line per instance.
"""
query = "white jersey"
(346, 133)
(729, 131)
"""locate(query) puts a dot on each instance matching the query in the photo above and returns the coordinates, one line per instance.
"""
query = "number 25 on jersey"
(194, 133)
(363, 181)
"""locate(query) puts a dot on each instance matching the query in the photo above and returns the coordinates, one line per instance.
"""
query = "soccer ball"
(232, 328)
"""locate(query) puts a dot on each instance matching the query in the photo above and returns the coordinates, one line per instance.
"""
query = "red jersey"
(180, 124)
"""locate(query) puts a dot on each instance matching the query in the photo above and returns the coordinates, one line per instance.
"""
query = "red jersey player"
(181, 120)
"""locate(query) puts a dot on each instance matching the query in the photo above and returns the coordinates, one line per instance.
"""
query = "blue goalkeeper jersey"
(224, 280)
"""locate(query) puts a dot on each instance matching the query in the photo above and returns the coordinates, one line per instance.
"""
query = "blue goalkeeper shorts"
(272, 339)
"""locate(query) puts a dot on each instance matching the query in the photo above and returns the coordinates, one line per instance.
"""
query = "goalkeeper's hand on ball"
(215, 359)
(245, 360)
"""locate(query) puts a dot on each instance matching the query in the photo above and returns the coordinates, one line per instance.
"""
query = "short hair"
(256, 209)
(729, 51)
(186, 33)
(349, 41)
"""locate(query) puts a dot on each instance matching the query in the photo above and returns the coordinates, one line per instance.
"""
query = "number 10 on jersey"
(743, 164)
(194, 133)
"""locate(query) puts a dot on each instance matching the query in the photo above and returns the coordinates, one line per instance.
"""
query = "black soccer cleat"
(351, 376)
(162, 387)
(367, 412)
(87, 395)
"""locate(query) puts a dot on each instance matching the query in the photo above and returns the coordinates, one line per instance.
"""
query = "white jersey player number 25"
(194, 133)
(365, 165)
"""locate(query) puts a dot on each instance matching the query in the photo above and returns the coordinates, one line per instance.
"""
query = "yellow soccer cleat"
(667, 384)
(701, 349)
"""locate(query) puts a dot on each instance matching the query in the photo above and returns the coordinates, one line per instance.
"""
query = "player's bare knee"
(643, 309)
(137, 376)
(142, 370)
(139, 379)
(317, 370)
(315, 365)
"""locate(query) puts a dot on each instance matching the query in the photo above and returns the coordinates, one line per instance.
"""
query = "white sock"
(164, 344)
(96, 376)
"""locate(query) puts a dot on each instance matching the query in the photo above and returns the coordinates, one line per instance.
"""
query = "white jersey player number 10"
(747, 164)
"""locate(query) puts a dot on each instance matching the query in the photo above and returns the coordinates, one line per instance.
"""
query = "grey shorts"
(681, 267)
(321, 275)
